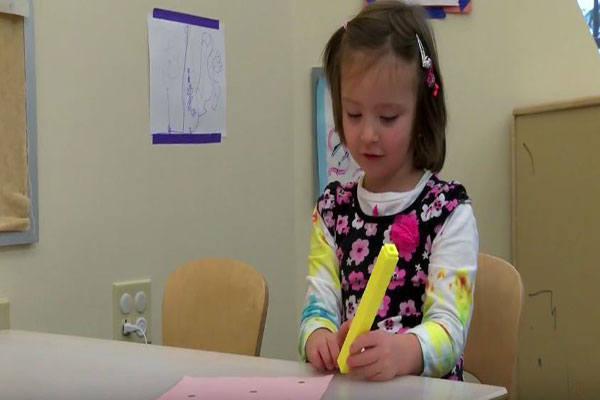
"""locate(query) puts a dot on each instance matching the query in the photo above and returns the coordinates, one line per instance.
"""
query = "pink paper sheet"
(243, 388)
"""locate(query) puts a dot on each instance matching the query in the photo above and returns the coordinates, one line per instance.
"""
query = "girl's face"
(378, 111)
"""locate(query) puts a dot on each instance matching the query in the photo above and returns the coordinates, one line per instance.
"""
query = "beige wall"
(113, 207)
(309, 40)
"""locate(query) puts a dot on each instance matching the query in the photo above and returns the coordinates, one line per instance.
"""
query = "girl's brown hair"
(387, 27)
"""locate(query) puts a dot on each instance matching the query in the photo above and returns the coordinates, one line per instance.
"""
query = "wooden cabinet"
(556, 234)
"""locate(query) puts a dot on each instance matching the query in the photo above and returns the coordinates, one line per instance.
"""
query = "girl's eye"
(388, 119)
(354, 116)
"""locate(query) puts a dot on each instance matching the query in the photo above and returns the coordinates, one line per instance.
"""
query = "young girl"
(389, 110)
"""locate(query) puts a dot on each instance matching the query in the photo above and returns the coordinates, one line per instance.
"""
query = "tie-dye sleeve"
(448, 303)
(322, 306)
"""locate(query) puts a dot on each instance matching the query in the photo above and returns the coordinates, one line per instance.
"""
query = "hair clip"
(427, 64)
(425, 60)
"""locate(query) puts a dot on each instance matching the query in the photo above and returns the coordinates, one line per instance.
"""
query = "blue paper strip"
(185, 138)
(463, 3)
(159, 13)
(436, 12)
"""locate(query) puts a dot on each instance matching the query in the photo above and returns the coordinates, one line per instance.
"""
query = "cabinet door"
(557, 238)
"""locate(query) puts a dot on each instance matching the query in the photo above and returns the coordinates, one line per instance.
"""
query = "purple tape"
(185, 138)
(435, 12)
(463, 3)
(159, 13)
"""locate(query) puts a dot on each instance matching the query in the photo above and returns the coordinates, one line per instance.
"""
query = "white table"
(47, 366)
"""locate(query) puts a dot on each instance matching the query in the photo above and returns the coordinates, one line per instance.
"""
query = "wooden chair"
(215, 304)
(491, 349)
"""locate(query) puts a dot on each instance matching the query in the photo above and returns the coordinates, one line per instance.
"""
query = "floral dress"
(354, 239)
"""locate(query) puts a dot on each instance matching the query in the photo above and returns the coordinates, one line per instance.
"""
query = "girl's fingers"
(315, 359)
(334, 349)
(325, 355)
(364, 341)
(343, 332)
(362, 359)
(368, 372)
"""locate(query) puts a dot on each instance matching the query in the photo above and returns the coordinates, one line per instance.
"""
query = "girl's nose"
(369, 132)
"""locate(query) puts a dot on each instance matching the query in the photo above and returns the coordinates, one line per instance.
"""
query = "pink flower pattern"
(357, 223)
(360, 249)
(392, 325)
(433, 210)
(351, 306)
(451, 205)
(343, 196)
(419, 279)
(384, 307)
(408, 308)
(427, 251)
(328, 219)
(326, 202)
(342, 224)
(357, 280)
(397, 278)
(389, 324)
(371, 229)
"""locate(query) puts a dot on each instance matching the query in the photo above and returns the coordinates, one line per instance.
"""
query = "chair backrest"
(491, 348)
(215, 304)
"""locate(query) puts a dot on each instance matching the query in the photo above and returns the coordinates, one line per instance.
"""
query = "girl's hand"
(343, 332)
(380, 356)
(323, 347)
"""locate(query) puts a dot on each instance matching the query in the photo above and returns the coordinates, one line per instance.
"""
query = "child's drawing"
(187, 78)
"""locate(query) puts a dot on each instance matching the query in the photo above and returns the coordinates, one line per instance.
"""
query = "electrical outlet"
(131, 301)
(4, 313)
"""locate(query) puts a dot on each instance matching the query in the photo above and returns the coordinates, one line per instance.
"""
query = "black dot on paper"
(191, 395)
(254, 391)
(301, 382)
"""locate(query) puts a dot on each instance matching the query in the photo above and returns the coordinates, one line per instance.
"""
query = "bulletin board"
(18, 135)
(556, 233)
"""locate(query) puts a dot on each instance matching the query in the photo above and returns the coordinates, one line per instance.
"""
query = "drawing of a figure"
(200, 88)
